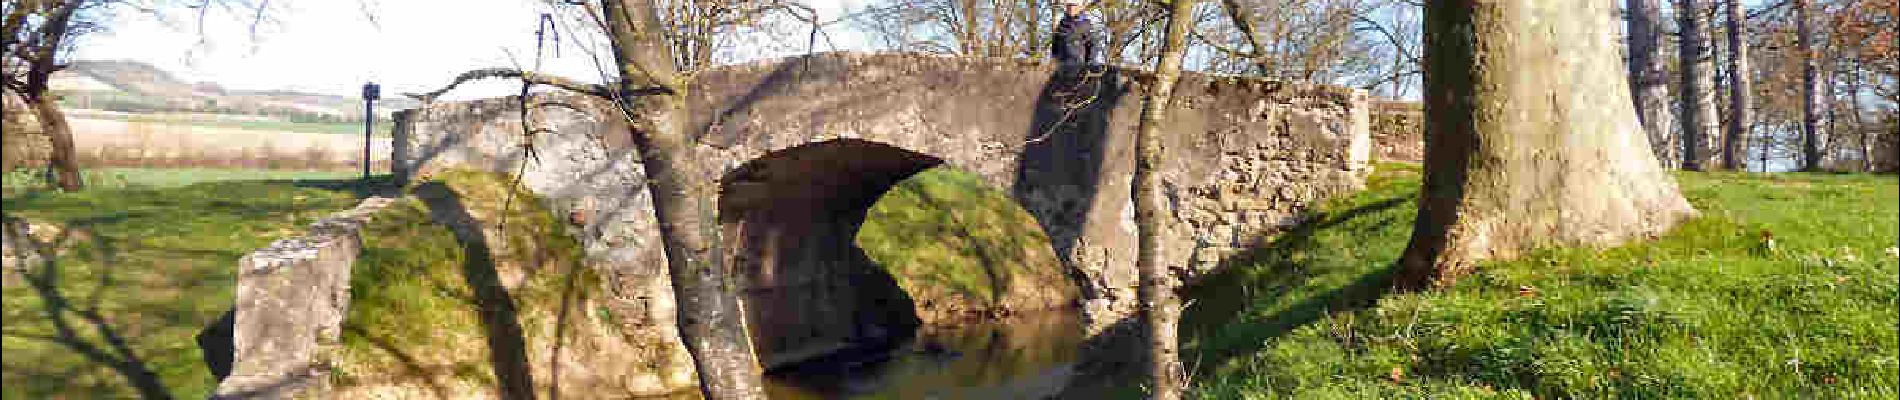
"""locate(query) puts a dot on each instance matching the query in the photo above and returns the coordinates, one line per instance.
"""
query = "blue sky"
(333, 46)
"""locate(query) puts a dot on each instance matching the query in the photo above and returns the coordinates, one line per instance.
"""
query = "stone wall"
(802, 146)
(291, 299)
(22, 144)
(1398, 131)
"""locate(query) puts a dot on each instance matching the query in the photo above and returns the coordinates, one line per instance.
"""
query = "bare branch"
(531, 78)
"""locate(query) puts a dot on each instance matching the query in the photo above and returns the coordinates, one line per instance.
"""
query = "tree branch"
(531, 78)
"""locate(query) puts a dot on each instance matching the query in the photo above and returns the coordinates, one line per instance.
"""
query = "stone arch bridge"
(803, 146)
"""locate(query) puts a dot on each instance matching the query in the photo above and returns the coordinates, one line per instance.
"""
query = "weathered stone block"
(291, 299)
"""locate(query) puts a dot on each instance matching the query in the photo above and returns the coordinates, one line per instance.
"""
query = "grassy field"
(382, 127)
(159, 178)
(142, 267)
(1784, 288)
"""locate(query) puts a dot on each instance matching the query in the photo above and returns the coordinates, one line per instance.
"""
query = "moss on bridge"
(961, 247)
(461, 290)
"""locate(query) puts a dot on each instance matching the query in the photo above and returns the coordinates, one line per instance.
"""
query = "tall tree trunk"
(1698, 100)
(1740, 86)
(710, 320)
(1033, 42)
(1860, 121)
(1649, 78)
(1519, 151)
(43, 62)
(62, 157)
(1810, 87)
(1159, 306)
(972, 41)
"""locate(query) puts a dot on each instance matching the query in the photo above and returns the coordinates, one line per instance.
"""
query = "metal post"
(370, 92)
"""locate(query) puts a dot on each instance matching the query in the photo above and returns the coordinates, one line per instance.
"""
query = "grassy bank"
(430, 306)
(147, 266)
(957, 245)
(1783, 288)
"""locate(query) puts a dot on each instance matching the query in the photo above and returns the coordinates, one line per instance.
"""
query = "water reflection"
(1023, 357)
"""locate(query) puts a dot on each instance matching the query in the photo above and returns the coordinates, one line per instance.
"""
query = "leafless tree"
(40, 36)
(1161, 309)
(653, 48)
(1696, 66)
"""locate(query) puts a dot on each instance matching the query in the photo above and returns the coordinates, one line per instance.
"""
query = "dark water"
(1024, 357)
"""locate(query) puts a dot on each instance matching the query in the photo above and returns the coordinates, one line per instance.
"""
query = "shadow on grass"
(1220, 299)
(78, 323)
(1113, 362)
(377, 185)
(499, 317)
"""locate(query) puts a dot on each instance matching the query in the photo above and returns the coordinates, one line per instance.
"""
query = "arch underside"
(792, 217)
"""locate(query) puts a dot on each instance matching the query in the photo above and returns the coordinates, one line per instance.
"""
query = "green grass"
(1707, 311)
(946, 234)
(156, 265)
(157, 178)
(419, 290)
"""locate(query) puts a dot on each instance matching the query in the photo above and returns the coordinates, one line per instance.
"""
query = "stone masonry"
(802, 146)
(291, 299)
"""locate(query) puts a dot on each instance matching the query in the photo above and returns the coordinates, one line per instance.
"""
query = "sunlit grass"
(158, 265)
(1711, 310)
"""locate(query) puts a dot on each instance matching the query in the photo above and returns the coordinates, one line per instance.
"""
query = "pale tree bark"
(1160, 308)
(1740, 86)
(710, 321)
(1860, 122)
(1649, 79)
(1520, 151)
(1810, 87)
(1697, 67)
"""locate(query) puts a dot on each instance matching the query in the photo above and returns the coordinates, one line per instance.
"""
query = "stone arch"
(791, 219)
(1247, 157)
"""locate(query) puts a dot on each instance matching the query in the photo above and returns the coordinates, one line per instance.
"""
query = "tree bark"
(1740, 86)
(710, 320)
(1810, 87)
(1520, 152)
(41, 63)
(1160, 307)
(62, 157)
(1860, 121)
(1698, 101)
(1649, 79)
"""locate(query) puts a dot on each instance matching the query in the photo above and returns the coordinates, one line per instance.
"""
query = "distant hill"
(134, 86)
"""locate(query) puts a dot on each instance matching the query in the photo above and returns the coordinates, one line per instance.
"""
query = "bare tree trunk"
(1158, 303)
(1810, 87)
(971, 41)
(1519, 151)
(42, 62)
(62, 157)
(1860, 121)
(1698, 100)
(1740, 86)
(1649, 78)
(710, 320)
(1033, 42)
